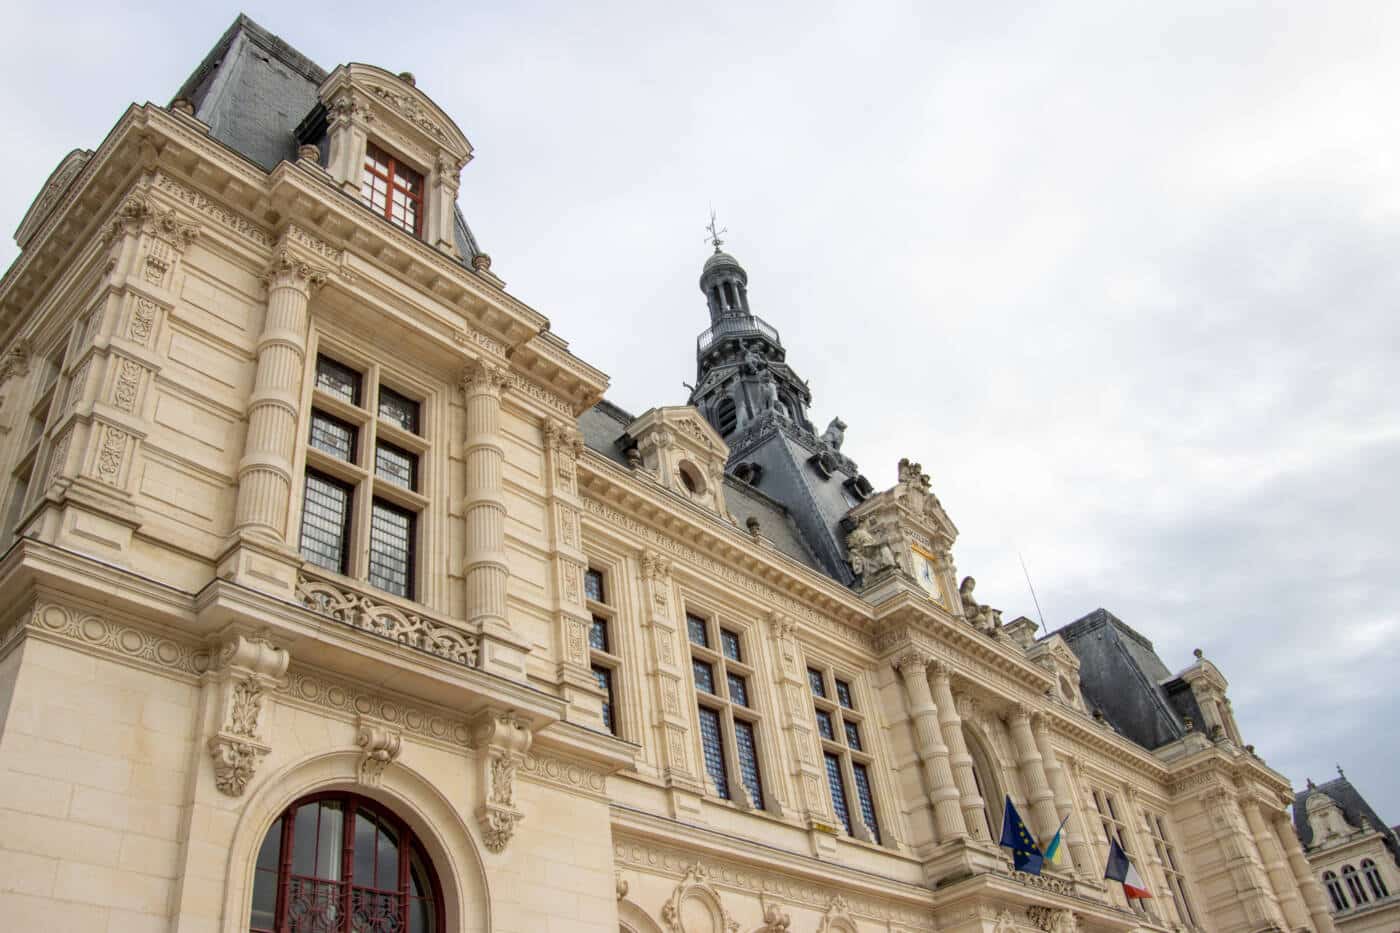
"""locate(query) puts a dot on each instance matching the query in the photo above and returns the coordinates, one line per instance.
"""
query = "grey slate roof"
(1121, 675)
(1354, 808)
(254, 90)
(604, 425)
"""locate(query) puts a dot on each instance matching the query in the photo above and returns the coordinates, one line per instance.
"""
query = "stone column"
(1233, 838)
(1040, 797)
(938, 772)
(265, 472)
(972, 803)
(1285, 887)
(1308, 885)
(799, 726)
(483, 508)
(1079, 856)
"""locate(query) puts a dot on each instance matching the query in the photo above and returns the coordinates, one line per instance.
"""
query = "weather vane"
(714, 233)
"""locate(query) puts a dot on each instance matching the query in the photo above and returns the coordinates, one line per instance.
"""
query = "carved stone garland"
(501, 741)
(245, 669)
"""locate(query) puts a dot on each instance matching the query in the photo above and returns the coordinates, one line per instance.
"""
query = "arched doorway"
(342, 863)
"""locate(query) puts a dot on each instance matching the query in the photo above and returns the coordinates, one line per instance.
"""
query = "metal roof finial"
(714, 233)
(1340, 773)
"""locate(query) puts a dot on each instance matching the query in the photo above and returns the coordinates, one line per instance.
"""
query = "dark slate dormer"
(259, 97)
(1121, 675)
(749, 394)
(1355, 810)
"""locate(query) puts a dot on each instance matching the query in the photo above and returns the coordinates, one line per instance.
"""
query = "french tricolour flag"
(1120, 868)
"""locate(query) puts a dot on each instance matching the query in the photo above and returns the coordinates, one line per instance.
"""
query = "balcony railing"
(375, 615)
(747, 325)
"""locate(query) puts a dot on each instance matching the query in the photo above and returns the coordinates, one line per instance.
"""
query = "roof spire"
(1340, 773)
(714, 233)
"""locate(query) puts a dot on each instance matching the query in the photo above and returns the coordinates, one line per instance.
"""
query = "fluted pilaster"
(1064, 799)
(1308, 885)
(265, 472)
(974, 815)
(933, 753)
(483, 505)
(1275, 864)
(1040, 797)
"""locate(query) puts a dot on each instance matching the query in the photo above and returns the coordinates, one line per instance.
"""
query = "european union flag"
(1015, 836)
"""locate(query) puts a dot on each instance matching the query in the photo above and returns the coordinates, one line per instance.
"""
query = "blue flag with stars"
(1016, 837)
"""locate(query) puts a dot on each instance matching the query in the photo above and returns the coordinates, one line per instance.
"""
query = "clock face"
(923, 571)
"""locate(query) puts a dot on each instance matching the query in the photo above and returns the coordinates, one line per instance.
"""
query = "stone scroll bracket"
(501, 739)
(244, 669)
(379, 744)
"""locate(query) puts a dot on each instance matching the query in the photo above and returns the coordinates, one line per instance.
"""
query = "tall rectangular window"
(362, 498)
(839, 726)
(1115, 828)
(325, 522)
(1176, 880)
(391, 549)
(729, 719)
(45, 410)
(603, 649)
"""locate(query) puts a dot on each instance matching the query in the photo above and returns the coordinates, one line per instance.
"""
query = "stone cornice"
(228, 191)
(661, 518)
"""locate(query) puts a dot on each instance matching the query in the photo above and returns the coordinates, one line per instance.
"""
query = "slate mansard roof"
(1355, 810)
(1121, 675)
(255, 91)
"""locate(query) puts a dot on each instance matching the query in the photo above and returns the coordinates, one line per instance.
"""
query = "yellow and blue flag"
(1054, 854)
(1015, 836)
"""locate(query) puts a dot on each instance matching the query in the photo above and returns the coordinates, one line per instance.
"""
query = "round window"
(691, 478)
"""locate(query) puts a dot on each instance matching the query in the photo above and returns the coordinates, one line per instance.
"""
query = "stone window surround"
(368, 104)
(728, 710)
(612, 658)
(855, 714)
(1170, 855)
(1111, 810)
(360, 475)
(33, 427)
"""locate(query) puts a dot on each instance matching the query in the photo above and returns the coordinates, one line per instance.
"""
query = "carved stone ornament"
(984, 618)
(501, 740)
(287, 270)
(868, 555)
(695, 904)
(910, 663)
(359, 611)
(483, 377)
(1006, 923)
(15, 361)
(1052, 920)
(246, 668)
(837, 918)
(379, 746)
(775, 919)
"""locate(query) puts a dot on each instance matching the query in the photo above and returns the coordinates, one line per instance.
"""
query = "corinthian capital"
(482, 376)
(911, 662)
(287, 270)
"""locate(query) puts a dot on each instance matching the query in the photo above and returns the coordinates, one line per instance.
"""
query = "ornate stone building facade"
(1354, 854)
(336, 597)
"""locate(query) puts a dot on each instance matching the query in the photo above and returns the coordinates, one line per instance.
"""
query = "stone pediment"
(677, 446)
(49, 195)
(403, 115)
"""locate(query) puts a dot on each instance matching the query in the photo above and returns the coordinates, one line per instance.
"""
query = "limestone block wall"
(95, 766)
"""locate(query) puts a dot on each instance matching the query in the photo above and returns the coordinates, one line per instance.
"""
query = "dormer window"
(393, 190)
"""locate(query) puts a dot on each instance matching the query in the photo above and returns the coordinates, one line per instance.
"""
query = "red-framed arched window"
(341, 863)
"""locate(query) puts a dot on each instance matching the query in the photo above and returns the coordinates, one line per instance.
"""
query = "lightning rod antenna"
(1034, 598)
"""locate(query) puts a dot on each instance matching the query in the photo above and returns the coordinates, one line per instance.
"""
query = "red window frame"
(347, 886)
(397, 178)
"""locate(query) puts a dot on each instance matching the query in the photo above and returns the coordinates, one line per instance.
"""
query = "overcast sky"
(1123, 277)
